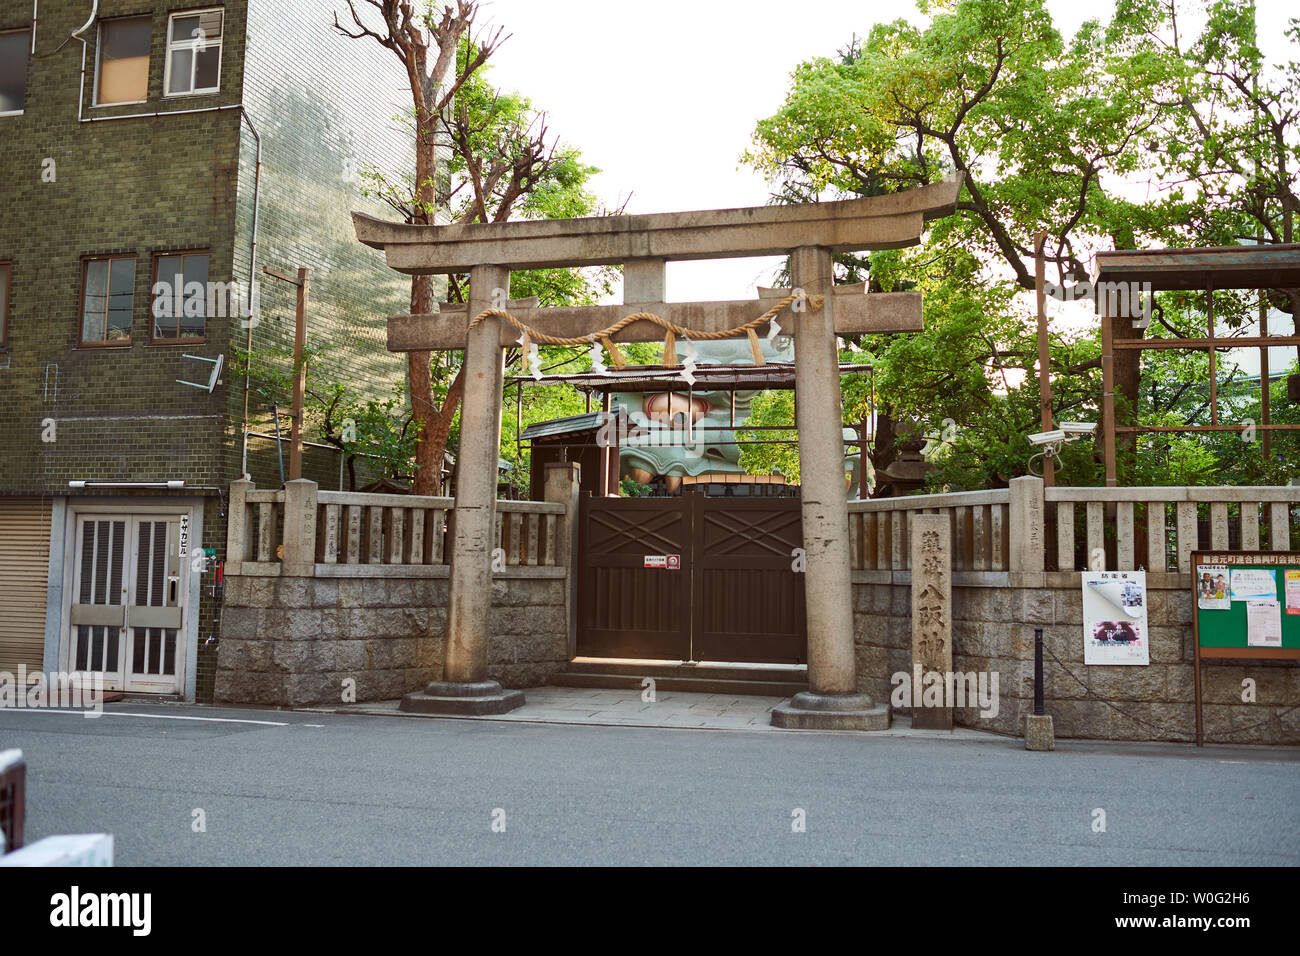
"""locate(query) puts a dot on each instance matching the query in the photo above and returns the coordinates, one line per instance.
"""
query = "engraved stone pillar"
(931, 537)
(299, 556)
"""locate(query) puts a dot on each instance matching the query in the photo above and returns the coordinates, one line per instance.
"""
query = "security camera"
(1078, 428)
(1047, 438)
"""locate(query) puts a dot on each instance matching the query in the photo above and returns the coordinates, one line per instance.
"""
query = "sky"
(663, 97)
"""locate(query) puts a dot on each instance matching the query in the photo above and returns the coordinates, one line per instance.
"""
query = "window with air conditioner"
(194, 52)
(122, 75)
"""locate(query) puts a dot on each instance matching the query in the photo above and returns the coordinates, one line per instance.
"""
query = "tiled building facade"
(153, 175)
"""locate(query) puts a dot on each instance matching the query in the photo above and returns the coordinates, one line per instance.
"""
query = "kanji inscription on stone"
(931, 537)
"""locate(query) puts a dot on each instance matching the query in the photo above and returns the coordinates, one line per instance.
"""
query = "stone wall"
(294, 641)
(993, 630)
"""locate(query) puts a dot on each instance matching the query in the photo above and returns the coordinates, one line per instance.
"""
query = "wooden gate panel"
(749, 600)
(624, 608)
(736, 595)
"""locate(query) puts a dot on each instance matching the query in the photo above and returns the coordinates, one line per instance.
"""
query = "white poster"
(1253, 584)
(1263, 624)
(1115, 618)
(1212, 587)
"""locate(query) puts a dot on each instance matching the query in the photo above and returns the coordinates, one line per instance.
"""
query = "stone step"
(741, 680)
(796, 673)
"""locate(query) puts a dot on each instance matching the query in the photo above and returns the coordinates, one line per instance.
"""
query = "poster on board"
(1115, 618)
(1263, 624)
(1212, 588)
(1253, 584)
(1292, 591)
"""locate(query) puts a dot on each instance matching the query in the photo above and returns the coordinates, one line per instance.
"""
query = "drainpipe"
(252, 273)
(77, 35)
(35, 11)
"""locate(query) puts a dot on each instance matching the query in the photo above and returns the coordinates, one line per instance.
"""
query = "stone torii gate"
(809, 234)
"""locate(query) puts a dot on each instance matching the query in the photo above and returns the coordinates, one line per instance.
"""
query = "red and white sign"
(670, 562)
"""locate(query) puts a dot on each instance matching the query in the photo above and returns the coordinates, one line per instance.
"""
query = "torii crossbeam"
(810, 234)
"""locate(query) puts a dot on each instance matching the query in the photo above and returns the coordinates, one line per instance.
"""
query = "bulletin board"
(1231, 616)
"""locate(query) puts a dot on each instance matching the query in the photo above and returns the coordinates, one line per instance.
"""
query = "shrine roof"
(1218, 267)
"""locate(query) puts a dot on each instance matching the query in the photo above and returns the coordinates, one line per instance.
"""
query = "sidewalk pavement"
(671, 709)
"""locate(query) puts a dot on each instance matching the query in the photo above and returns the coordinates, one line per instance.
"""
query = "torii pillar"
(810, 234)
(832, 701)
(465, 687)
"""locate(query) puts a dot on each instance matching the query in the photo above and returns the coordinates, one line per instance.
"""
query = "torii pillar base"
(810, 711)
(462, 698)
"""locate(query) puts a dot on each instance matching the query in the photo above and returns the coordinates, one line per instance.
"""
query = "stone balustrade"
(1027, 528)
(981, 531)
(1158, 528)
(341, 596)
(306, 532)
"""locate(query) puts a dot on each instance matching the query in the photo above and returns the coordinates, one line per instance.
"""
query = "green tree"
(1049, 134)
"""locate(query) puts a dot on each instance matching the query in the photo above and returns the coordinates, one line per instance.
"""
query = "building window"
(107, 301)
(6, 283)
(13, 71)
(123, 74)
(193, 52)
(180, 297)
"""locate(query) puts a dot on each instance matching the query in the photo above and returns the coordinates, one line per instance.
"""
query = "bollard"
(1039, 734)
(1038, 672)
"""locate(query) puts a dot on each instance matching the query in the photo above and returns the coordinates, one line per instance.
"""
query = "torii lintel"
(891, 221)
(854, 313)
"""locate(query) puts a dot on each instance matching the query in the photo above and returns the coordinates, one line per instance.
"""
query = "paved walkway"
(670, 709)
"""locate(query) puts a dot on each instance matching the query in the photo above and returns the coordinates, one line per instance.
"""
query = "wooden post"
(1265, 388)
(1108, 390)
(299, 376)
(1044, 353)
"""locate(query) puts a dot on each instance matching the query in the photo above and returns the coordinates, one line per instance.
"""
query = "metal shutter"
(24, 567)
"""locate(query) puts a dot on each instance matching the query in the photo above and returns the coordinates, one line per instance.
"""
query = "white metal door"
(126, 617)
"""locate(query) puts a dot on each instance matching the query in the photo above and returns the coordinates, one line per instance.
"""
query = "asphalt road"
(313, 789)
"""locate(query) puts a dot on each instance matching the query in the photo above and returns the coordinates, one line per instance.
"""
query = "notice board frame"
(1270, 560)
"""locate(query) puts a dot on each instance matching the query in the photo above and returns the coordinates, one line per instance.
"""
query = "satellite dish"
(218, 364)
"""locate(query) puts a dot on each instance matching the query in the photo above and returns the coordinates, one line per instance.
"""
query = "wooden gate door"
(629, 605)
(691, 578)
(748, 597)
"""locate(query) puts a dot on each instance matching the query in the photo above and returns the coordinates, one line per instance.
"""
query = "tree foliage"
(1057, 135)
